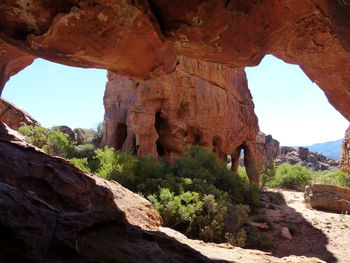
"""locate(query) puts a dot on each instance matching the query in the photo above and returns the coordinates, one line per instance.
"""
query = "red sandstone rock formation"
(258, 153)
(140, 38)
(12, 61)
(328, 198)
(344, 161)
(199, 103)
(13, 116)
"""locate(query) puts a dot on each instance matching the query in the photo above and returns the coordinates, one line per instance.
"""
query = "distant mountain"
(329, 149)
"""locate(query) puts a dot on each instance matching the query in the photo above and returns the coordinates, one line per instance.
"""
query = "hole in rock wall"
(162, 128)
(55, 94)
(290, 107)
(122, 131)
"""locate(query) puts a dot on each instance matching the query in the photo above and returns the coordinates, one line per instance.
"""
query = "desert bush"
(51, 141)
(34, 135)
(200, 163)
(81, 163)
(257, 239)
(290, 177)
(177, 210)
(267, 174)
(58, 144)
(196, 194)
(113, 165)
(335, 177)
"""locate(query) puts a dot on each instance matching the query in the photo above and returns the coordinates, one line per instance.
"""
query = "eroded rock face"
(15, 117)
(302, 156)
(200, 103)
(141, 39)
(344, 161)
(258, 153)
(328, 198)
(12, 61)
(121, 36)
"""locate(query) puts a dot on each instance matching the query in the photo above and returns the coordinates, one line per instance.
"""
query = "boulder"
(328, 198)
(15, 117)
(80, 136)
(285, 233)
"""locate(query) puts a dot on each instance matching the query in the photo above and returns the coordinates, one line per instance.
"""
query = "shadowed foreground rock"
(54, 212)
(328, 198)
(15, 117)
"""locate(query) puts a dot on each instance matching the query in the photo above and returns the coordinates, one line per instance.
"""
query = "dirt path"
(316, 236)
(315, 233)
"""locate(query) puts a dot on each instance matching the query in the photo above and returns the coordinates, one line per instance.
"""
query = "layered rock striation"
(329, 198)
(141, 39)
(200, 103)
(302, 156)
(15, 117)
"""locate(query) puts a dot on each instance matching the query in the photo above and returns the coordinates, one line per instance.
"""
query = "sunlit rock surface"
(15, 117)
(141, 39)
(200, 103)
(328, 198)
(344, 161)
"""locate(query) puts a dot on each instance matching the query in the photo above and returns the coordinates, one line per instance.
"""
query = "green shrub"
(267, 174)
(196, 194)
(238, 239)
(58, 144)
(35, 135)
(243, 174)
(336, 177)
(51, 141)
(113, 165)
(81, 163)
(177, 210)
(257, 239)
(200, 163)
(291, 176)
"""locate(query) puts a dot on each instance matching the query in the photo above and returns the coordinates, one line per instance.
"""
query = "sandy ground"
(316, 236)
(315, 233)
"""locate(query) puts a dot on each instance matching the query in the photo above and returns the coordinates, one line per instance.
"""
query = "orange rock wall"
(199, 103)
(141, 39)
(12, 60)
(15, 117)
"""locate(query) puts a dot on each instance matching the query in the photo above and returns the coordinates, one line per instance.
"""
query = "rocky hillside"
(330, 149)
(304, 157)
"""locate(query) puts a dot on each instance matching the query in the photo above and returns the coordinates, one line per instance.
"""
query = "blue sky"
(289, 106)
(55, 94)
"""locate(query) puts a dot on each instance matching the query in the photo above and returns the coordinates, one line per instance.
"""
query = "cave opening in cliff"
(161, 126)
(56, 94)
(290, 107)
(122, 133)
